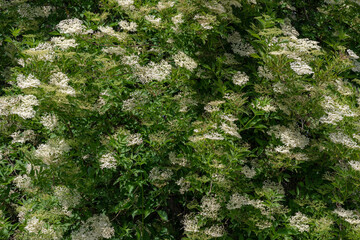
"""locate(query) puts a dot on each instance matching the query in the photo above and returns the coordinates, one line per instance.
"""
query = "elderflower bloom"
(60, 80)
(240, 78)
(72, 26)
(215, 231)
(27, 82)
(50, 121)
(355, 165)
(108, 161)
(342, 138)
(289, 136)
(300, 222)
(128, 26)
(301, 68)
(183, 60)
(63, 43)
(210, 207)
(51, 151)
(153, 20)
(96, 227)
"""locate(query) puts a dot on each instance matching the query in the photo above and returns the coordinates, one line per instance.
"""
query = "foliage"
(127, 119)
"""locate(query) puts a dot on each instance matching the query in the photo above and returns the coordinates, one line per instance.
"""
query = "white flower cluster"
(342, 138)
(210, 136)
(237, 201)
(231, 129)
(205, 20)
(68, 199)
(177, 161)
(289, 136)
(355, 165)
(183, 60)
(183, 184)
(111, 32)
(136, 98)
(352, 54)
(51, 151)
(300, 222)
(215, 231)
(272, 186)
(164, 5)
(240, 78)
(160, 177)
(210, 207)
(60, 80)
(191, 223)
(343, 88)
(95, 228)
(264, 72)
(114, 50)
(72, 26)
(25, 10)
(26, 82)
(239, 46)
(22, 137)
(127, 4)
(335, 112)
(153, 20)
(43, 51)
(213, 106)
(21, 105)
(264, 103)
(50, 121)
(63, 43)
(134, 139)
(248, 172)
(108, 161)
(22, 181)
(215, 7)
(348, 215)
(34, 225)
(128, 26)
(153, 71)
(177, 20)
(301, 68)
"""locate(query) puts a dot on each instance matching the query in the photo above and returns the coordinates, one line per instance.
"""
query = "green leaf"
(163, 215)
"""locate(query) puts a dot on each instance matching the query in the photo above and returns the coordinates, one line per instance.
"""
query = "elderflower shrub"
(126, 119)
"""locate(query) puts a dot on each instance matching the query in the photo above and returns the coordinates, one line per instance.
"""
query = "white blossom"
(300, 222)
(301, 68)
(72, 26)
(27, 82)
(63, 43)
(108, 161)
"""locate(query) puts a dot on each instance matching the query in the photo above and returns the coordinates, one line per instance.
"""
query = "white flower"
(301, 68)
(300, 222)
(51, 151)
(95, 228)
(155, 21)
(72, 26)
(63, 43)
(352, 54)
(240, 78)
(342, 138)
(49, 121)
(26, 82)
(183, 60)
(128, 26)
(108, 161)
(60, 80)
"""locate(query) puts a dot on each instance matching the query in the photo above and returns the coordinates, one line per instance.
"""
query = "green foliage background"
(142, 196)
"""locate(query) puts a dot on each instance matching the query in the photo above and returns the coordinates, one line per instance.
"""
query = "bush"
(126, 119)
